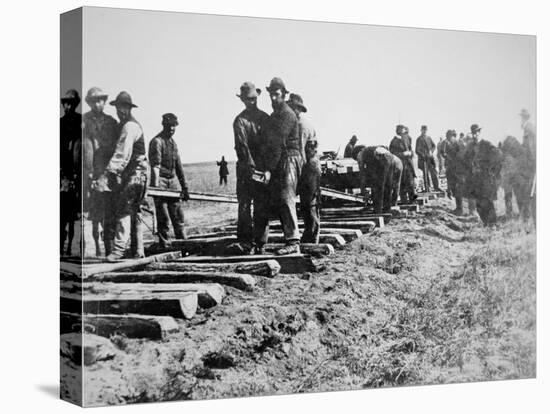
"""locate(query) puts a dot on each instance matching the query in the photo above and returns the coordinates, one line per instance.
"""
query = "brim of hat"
(297, 105)
(171, 123)
(251, 95)
(115, 103)
(274, 89)
(70, 100)
(89, 98)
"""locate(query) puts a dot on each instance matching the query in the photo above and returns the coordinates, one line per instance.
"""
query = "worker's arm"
(155, 155)
(128, 135)
(241, 144)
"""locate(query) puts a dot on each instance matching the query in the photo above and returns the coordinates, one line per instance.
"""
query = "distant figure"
(425, 148)
(70, 131)
(223, 171)
(348, 152)
(453, 151)
(440, 156)
(400, 146)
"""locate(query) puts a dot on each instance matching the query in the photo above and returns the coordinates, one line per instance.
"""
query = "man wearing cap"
(247, 130)
(425, 148)
(167, 173)
(348, 151)
(282, 165)
(101, 131)
(455, 169)
(309, 184)
(381, 171)
(400, 146)
(70, 132)
(484, 162)
(126, 172)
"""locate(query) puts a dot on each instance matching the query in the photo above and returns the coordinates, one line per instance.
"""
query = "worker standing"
(248, 127)
(401, 147)
(167, 173)
(101, 129)
(424, 149)
(282, 166)
(309, 184)
(127, 175)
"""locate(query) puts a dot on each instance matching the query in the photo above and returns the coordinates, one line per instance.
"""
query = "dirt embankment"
(430, 299)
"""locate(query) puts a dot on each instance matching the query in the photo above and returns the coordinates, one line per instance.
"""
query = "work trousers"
(223, 179)
(280, 196)
(245, 196)
(169, 210)
(429, 172)
(128, 213)
(309, 189)
(102, 211)
(486, 210)
(407, 190)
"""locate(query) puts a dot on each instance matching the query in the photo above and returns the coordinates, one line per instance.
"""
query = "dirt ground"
(427, 300)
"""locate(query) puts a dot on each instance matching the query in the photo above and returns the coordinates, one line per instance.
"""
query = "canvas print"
(257, 206)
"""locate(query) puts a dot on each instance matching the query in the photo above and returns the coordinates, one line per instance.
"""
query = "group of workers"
(276, 162)
(105, 171)
(474, 169)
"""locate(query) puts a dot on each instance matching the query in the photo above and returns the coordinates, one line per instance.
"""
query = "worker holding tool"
(167, 173)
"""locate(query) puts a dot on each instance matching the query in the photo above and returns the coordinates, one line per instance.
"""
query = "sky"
(354, 79)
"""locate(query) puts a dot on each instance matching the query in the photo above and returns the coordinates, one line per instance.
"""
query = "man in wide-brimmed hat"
(127, 174)
(282, 166)
(167, 173)
(309, 184)
(247, 130)
(100, 130)
(455, 172)
(70, 133)
(400, 146)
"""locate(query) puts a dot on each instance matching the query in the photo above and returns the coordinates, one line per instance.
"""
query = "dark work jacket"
(223, 171)
(348, 152)
(163, 153)
(281, 138)
(483, 161)
(70, 129)
(398, 147)
(102, 130)
(424, 148)
(248, 128)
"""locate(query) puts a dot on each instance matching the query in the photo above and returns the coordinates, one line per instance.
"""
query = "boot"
(288, 249)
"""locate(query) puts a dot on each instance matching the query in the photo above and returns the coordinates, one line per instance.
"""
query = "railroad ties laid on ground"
(144, 298)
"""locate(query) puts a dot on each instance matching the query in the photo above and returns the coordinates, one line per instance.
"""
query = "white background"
(29, 244)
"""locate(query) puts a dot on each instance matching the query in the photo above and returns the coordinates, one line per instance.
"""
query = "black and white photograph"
(257, 206)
